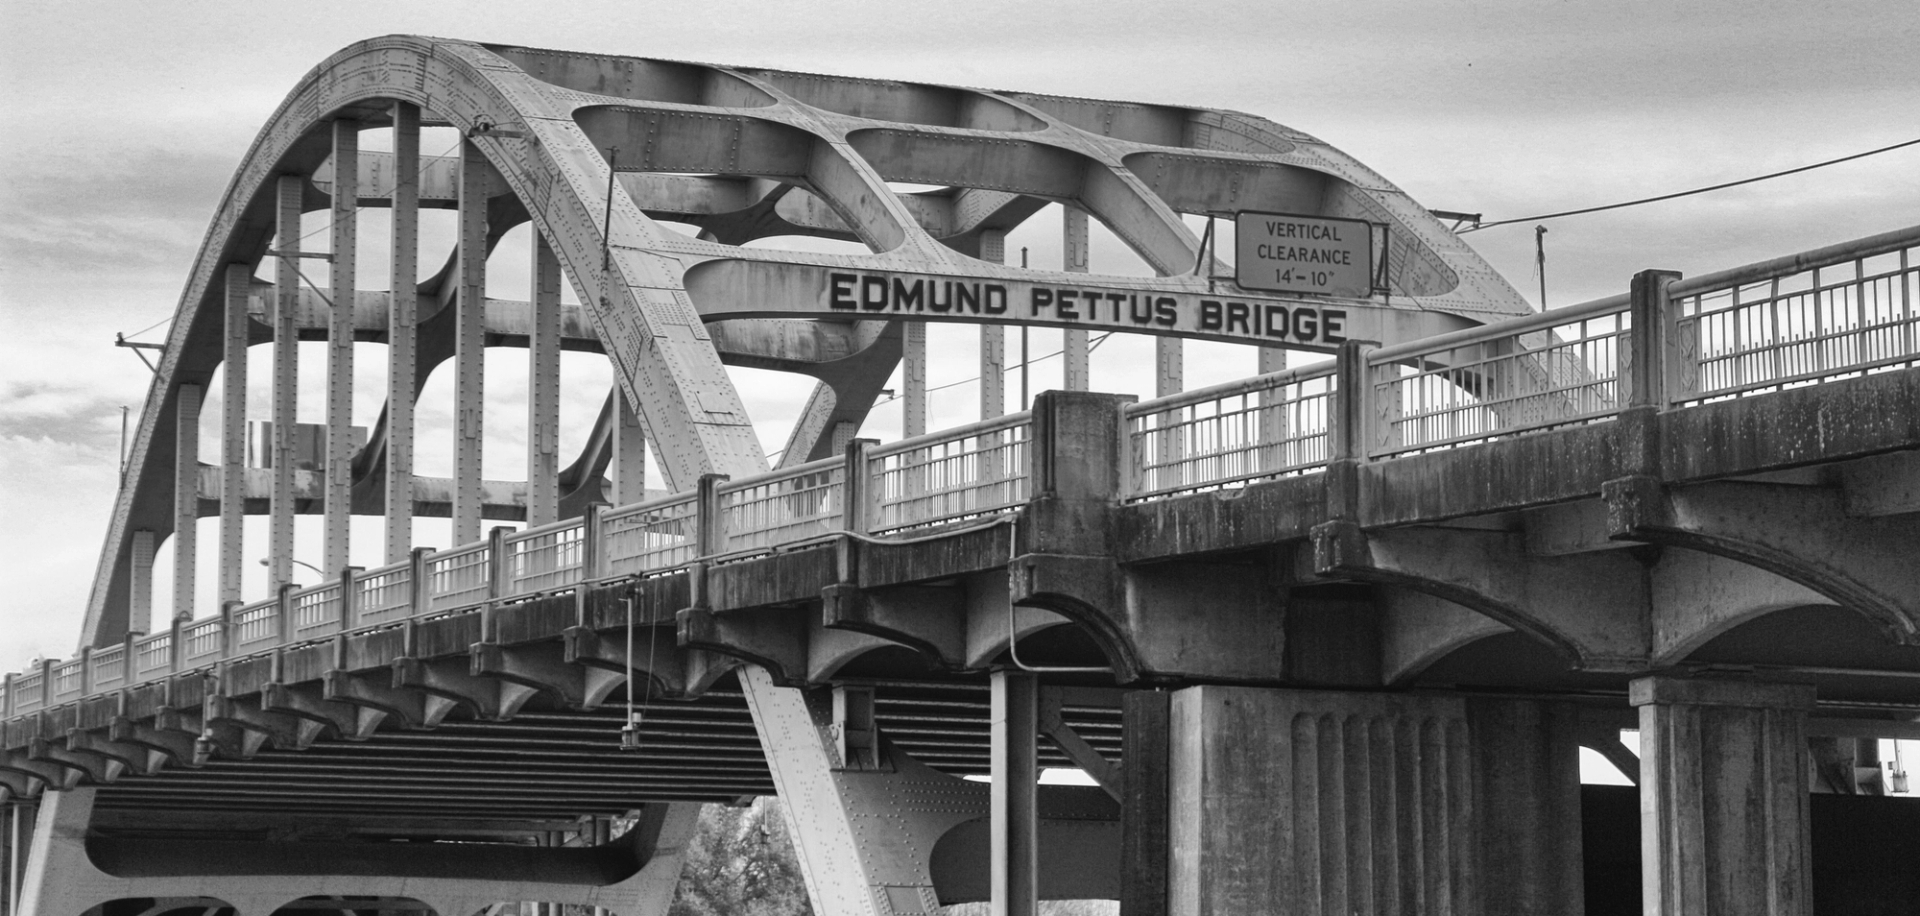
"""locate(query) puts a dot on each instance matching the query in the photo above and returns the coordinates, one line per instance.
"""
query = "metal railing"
(1842, 311)
(1232, 434)
(961, 473)
(1825, 314)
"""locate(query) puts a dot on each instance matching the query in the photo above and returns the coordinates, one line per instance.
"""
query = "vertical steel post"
(402, 305)
(341, 284)
(469, 342)
(629, 452)
(913, 381)
(543, 382)
(1073, 243)
(1014, 868)
(233, 432)
(286, 380)
(1170, 367)
(140, 589)
(186, 497)
(993, 339)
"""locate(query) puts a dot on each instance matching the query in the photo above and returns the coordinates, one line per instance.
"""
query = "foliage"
(741, 863)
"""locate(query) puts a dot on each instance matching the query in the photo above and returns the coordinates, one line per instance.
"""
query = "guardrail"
(1840, 311)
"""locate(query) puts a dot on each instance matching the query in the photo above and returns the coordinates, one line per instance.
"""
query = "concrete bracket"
(138, 759)
(176, 746)
(413, 709)
(1087, 590)
(1799, 533)
(543, 666)
(677, 673)
(775, 639)
(354, 723)
(1593, 607)
(287, 732)
(53, 776)
(96, 769)
(928, 619)
(491, 699)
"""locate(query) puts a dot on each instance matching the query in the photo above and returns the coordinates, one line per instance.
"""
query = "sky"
(126, 120)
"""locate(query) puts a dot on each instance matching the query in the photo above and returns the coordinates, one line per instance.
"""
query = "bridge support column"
(1014, 865)
(1723, 797)
(1318, 802)
(993, 339)
(402, 342)
(469, 343)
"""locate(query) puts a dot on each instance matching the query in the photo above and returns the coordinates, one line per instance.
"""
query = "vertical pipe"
(140, 590)
(286, 381)
(913, 377)
(469, 341)
(543, 397)
(1073, 245)
(1014, 871)
(401, 340)
(233, 433)
(186, 497)
(341, 286)
(629, 453)
(993, 339)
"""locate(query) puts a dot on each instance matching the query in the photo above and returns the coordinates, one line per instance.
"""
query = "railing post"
(176, 651)
(497, 580)
(227, 635)
(710, 524)
(593, 558)
(86, 670)
(130, 658)
(283, 612)
(419, 581)
(46, 682)
(7, 695)
(349, 597)
(1349, 428)
(1647, 359)
(856, 491)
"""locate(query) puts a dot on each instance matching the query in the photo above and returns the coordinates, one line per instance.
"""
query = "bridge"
(1328, 639)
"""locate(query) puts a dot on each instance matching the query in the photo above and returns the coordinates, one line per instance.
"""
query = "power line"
(1648, 200)
(1091, 346)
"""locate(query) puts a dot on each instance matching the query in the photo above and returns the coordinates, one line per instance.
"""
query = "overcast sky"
(125, 121)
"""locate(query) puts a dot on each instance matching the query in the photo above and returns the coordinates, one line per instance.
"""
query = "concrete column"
(543, 389)
(233, 432)
(470, 339)
(1014, 830)
(140, 586)
(913, 381)
(402, 343)
(993, 339)
(341, 285)
(629, 453)
(1146, 731)
(1723, 797)
(286, 380)
(186, 498)
(1073, 224)
(1365, 804)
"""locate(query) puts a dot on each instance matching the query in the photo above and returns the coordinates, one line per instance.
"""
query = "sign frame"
(1342, 280)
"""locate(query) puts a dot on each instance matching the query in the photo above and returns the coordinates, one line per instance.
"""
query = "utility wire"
(1091, 346)
(1648, 200)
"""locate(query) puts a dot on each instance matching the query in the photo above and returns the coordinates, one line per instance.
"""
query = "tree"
(741, 863)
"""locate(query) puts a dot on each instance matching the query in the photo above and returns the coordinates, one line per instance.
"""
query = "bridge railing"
(1231, 434)
(1841, 311)
(1834, 312)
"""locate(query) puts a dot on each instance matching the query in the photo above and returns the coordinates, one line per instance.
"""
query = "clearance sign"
(1284, 253)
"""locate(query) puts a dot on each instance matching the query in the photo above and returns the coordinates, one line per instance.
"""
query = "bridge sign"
(1285, 253)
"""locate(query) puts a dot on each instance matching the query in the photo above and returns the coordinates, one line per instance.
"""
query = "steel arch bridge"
(742, 154)
(1590, 501)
